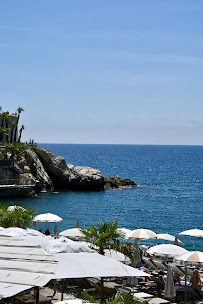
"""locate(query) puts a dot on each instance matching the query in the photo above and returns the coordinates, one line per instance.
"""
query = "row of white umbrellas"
(165, 249)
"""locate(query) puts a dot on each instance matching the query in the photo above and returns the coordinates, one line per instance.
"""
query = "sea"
(168, 197)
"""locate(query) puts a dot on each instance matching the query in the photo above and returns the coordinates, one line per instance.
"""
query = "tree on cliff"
(19, 110)
(20, 132)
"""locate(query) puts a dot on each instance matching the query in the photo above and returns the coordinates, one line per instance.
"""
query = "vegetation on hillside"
(10, 138)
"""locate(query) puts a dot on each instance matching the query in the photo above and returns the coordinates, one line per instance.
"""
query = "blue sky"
(111, 71)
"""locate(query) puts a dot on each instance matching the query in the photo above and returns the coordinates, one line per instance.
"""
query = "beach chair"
(149, 263)
(160, 265)
(193, 294)
(176, 268)
(108, 291)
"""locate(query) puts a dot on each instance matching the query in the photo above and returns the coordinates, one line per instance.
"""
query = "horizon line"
(119, 144)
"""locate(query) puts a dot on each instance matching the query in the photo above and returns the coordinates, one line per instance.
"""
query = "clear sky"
(110, 71)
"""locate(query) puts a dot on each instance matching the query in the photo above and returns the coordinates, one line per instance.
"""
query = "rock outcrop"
(115, 182)
(48, 172)
(67, 176)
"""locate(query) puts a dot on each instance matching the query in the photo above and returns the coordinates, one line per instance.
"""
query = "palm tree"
(105, 235)
(7, 120)
(12, 125)
(102, 235)
(20, 132)
(19, 110)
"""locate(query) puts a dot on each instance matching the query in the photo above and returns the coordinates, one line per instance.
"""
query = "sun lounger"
(158, 301)
(149, 263)
(142, 295)
(160, 265)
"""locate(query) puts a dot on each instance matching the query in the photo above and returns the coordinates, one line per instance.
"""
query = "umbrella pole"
(195, 244)
(102, 290)
(62, 289)
(37, 294)
(185, 294)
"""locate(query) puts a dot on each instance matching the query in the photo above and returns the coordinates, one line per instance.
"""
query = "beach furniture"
(160, 265)
(142, 295)
(149, 263)
(158, 301)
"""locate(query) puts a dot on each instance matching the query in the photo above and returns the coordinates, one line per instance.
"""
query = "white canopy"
(47, 217)
(30, 257)
(21, 250)
(64, 245)
(72, 233)
(13, 231)
(34, 232)
(24, 277)
(8, 290)
(85, 265)
(167, 250)
(116, 255)
(167, 237)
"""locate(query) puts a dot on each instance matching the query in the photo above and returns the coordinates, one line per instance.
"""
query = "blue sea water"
(168, 198)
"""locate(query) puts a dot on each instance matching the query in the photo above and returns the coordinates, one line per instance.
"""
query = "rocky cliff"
(49, 172)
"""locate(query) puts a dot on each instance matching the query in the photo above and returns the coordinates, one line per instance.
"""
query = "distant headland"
(26, 169)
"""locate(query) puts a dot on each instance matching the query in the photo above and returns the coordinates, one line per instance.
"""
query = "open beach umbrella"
(142, 234)
(169, 290)
(72, 233)
(47, 217)
(194, 257)
(124, 231)
(193, 232)
(167, 237)
(167, 250)
(191, 257)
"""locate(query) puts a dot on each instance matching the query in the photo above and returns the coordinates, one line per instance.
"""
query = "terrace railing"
(24, 182)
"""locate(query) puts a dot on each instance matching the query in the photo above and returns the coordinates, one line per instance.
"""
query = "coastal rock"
(115, 182)
(90, 179)
(43, 180)
(67, 176)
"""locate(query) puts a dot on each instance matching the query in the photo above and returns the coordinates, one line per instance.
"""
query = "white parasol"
(142, 234)
(191, 257)
(167, 237)
(167, 250)
(193, 232)
(124, 231)
(47, 217)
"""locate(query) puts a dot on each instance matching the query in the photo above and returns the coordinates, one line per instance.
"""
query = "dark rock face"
(48, 171)
(66, 176)
(44, 182)
(115, 182)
